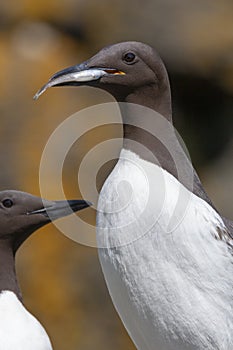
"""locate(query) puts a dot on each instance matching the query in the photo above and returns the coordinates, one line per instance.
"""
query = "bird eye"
(7, 203)
(129, 57)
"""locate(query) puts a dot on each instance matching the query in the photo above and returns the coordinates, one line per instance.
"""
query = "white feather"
(170, 279)
(19, 330)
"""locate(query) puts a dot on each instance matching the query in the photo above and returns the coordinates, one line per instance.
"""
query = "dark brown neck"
(154, 97)
(141, 111)
(150, 136)
(8, 279)
(149, 133)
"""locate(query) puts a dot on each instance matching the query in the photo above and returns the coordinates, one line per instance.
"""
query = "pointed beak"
(77, 75)
(58, 209)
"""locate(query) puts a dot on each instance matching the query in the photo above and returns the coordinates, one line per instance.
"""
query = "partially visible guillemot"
(173, 290)
(20, 215)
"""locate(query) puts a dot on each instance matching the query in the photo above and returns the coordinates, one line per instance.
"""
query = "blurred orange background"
(61, 280)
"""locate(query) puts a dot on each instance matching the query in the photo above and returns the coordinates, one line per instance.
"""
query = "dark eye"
(129, 57)
(7, 203)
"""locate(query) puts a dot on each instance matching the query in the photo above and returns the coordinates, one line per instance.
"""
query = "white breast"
(169, 277)
(19, 330)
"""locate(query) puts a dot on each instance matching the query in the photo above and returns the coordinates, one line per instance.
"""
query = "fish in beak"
(77, 75)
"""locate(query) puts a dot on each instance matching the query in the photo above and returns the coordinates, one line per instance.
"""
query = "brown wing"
(229, 225)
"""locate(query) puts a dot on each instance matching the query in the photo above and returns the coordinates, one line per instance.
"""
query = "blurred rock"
(34, 40)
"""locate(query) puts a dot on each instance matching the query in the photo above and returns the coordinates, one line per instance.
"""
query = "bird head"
(22, 213)
(121, 69)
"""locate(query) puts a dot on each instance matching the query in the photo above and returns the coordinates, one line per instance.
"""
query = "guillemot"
(20, 215)
(172, 290)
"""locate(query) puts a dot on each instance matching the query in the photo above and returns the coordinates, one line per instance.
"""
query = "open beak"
(58, 209)
(77, 75)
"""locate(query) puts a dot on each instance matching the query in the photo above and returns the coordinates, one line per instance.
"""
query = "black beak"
(58, 209)
(77, 75)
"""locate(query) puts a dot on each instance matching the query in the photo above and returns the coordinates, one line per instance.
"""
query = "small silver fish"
(82, 76)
